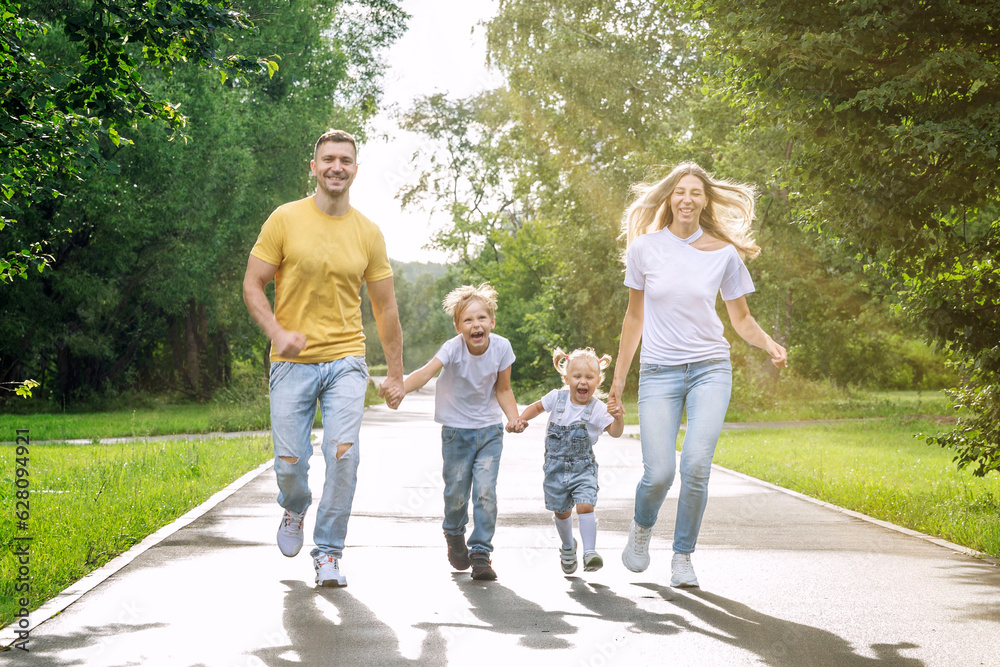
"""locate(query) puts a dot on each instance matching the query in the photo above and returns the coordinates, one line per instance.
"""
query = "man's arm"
(383, 298)
(259, 273)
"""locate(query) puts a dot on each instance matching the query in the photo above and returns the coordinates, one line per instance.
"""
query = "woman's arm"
(631, 335)
(748, 329)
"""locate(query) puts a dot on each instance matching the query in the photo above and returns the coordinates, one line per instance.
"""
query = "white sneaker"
(683, 573)
(328, 571)
(567, 558)
(290, 533)
(592, 561)
(636, 554)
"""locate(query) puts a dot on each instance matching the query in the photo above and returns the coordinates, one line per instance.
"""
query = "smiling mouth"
(478, 336)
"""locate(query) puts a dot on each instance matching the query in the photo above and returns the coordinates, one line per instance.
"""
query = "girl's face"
(687, 200)
(583, 377)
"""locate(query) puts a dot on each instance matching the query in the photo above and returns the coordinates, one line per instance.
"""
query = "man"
(318, 250)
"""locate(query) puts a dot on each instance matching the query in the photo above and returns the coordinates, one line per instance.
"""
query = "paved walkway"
(784, 581)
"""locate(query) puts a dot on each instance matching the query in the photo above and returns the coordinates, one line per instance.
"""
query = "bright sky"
(443, 50)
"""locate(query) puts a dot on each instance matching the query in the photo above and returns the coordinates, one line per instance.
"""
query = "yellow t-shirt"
(322, 261)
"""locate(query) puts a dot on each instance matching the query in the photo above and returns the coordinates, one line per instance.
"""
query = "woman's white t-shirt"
(600, 418)
(680, 284)
(466, 394)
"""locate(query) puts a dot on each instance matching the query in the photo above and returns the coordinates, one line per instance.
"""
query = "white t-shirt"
(680, 284)
(466, 392)
(600, 418)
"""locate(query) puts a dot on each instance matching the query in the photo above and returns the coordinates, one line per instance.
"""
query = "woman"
(687, 238)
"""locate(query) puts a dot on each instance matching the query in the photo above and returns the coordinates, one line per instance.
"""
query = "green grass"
(89, 503)
(241, 408)
(811, 401)
(878, 468)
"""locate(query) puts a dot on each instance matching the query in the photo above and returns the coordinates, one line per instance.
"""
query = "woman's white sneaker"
(682, 573)
(636, 554)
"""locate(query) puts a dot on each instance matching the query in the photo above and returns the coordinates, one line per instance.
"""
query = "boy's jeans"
(705, 387)
(339, 386)
(471, 462)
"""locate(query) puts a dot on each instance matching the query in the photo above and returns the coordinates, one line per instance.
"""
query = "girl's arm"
(631, 335)
(617, 427)
(521, 423)
(422, 375)
(748, 329)
(505, 395)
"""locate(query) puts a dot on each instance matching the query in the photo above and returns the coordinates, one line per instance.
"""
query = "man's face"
(334, 166)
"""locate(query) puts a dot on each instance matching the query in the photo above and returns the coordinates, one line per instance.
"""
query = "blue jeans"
(471, 464)
(339, 386)
(704, 388)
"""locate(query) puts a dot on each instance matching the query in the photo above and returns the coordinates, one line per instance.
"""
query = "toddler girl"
(577, 418)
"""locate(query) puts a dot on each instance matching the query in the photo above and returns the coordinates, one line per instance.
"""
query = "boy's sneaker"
(328, 571)
(636, 554)
(682, 573)
(290, 533)
(458, 552)
(592, 561)
(567, 558)
(481, 567)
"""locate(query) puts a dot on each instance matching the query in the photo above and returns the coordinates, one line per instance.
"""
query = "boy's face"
(582, 377)
(475, 324)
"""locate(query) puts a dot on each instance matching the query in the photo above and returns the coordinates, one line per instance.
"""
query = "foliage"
(535, 177)
(58, 107)
(890, 114)
(146, 294)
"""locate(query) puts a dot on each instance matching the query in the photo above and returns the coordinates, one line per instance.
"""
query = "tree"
(55, 113)
(892, 112)
(145, 292)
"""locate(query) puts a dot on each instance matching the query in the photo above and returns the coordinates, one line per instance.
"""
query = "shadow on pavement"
(505, 612)
(778, 642)
(47, 652)
(360, 638)
(607, 606)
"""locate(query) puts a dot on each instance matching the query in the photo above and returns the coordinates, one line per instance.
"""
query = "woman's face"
(687, 200)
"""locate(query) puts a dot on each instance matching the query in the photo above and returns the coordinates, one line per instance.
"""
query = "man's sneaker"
(683, 573)
(592, 561)
(636, 554)
(458, 552)
(328, 571)
(481, 568)
(567, 558)
(290, 533)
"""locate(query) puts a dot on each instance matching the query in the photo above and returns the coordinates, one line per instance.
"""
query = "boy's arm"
(505, 395)
(616, 428)
(422, 375)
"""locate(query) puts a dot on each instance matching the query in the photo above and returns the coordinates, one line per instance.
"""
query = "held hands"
(517, 425)
(392, 391)
(615, 407)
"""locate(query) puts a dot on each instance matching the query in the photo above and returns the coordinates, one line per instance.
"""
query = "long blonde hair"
(728, 213)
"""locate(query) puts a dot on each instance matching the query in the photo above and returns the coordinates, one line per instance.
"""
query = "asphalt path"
(785, 581)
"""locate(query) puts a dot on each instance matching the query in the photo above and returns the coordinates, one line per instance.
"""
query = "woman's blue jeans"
(704, 389)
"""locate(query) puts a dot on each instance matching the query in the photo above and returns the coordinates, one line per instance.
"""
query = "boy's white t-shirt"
(680, 285)
(466, 393)
(600, 418)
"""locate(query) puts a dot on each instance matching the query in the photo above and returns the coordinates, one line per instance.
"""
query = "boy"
(472, 395)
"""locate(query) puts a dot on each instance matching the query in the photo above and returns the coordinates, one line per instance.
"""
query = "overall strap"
(561, 398)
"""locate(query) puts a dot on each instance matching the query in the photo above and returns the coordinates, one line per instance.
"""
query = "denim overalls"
(570, 467)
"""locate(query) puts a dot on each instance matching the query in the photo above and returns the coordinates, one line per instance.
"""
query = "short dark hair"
(336, 136)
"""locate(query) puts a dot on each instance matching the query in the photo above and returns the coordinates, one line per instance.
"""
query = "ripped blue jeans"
(339, 389)
(471, 464)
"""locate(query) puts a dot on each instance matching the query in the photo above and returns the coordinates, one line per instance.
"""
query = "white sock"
(565, 529)
(588, 530)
